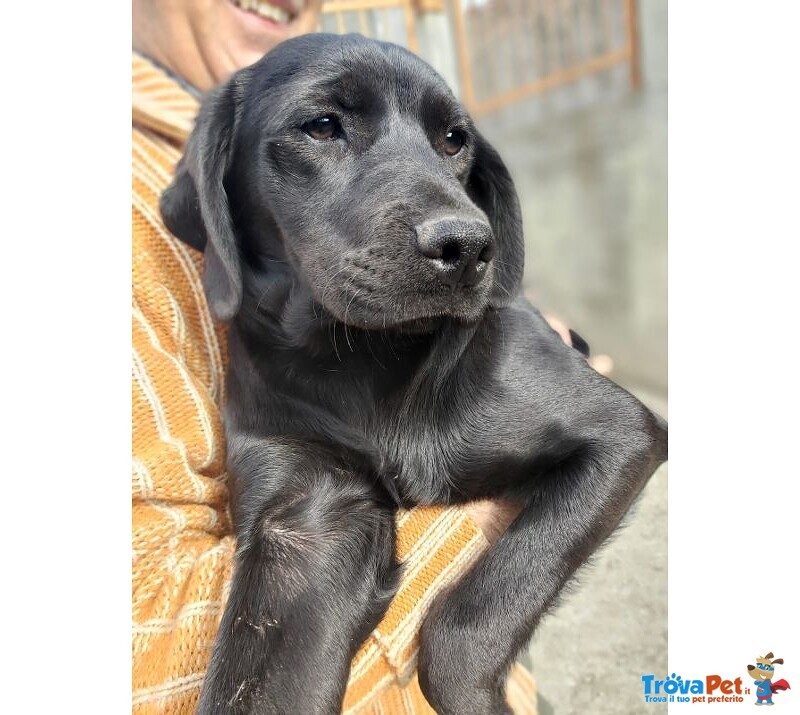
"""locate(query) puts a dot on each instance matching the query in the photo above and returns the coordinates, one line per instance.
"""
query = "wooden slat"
(540, 49)
(556, 79)
(464, 64)
(633, 44)
(363, 7)
(422, 6)
(565, 11)
(567, 52)
(411, 27)
(606, 25)
(570, 48)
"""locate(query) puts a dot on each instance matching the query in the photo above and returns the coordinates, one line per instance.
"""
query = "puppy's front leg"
(473, 633)
(314, 573)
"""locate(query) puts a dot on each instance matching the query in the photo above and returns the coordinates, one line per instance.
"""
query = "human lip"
(281, 12)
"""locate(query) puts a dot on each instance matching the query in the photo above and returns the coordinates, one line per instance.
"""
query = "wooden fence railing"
(511, 49)
(394, 20)
(508, 50)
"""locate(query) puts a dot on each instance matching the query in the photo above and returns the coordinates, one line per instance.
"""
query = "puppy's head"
(349, 161)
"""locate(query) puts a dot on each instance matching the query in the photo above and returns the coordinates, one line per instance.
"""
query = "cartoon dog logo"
(762, 673)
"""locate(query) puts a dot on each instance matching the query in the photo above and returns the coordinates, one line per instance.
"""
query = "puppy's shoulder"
(523, 323)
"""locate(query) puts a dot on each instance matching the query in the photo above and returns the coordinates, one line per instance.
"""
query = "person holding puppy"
(183, 544)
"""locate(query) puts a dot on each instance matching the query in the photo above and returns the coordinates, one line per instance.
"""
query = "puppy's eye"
(454, 140)
(323, 128)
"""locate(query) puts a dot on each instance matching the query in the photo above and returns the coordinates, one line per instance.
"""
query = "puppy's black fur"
(380, 356)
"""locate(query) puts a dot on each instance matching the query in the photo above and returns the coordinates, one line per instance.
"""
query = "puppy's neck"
(279, 313)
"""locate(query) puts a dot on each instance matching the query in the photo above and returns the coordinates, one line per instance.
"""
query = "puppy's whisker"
(504, 289)
(329, 281)
(335, 349)
(347, 308)
(262, 296)
(369, 346)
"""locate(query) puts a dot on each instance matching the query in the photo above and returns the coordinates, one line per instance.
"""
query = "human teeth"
(264, 9)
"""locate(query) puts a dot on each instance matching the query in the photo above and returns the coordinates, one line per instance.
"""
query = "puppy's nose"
(459, 249)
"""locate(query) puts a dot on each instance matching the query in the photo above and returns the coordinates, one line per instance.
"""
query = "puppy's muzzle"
(458, 250)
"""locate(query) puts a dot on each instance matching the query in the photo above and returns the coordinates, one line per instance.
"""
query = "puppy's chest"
(432, 461)
(435, 450)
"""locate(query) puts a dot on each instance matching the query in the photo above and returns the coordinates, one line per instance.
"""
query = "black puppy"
(365, 242)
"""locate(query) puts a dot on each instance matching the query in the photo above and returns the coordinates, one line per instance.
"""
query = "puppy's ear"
(195, 206)
(491, 188)
(180, 208)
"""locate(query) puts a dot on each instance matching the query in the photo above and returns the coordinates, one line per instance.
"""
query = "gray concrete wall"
(590, 166)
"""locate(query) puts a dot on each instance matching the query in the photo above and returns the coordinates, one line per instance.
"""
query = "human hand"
(602, 363)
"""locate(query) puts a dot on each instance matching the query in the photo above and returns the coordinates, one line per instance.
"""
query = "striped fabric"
(182, 542)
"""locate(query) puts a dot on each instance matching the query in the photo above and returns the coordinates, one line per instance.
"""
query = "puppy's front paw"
(456, 670)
